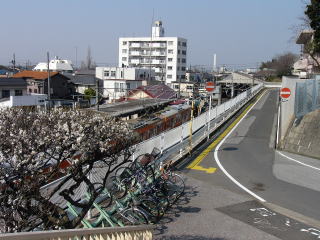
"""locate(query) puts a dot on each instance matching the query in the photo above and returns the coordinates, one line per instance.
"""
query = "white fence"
(142, 232)
(170, 138)
(28, 100)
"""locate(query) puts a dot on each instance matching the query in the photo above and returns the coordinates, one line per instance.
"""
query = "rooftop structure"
(160, 91)
(166, 55)
(56, 64)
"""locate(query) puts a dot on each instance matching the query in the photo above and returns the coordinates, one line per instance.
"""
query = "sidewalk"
(210, 212)
(195, 216)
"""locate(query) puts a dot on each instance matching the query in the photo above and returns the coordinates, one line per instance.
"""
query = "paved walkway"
(211, 212)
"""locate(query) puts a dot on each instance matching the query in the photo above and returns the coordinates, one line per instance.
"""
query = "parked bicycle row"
(139, 193)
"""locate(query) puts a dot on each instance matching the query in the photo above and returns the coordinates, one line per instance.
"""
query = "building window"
(121, 87)
(170, 50)
(124, 50)
(5, 93)
(179, 43)
(30, 90)
(124, 43)
(178, 51)
(183, 60)
(35, 90)
(169, 67)
(106, 73)
(113, 73)
(178, 68)
(178, 77)
(116, 87)
(183, 68)
(178, 60)
(189, 87)
(124, 59)
(128, 86)
(169, 59)
(170, 43)
(18, 92)
(184, 52)
(169, 76)
(176, 86)
(183, 76)
(184, 44)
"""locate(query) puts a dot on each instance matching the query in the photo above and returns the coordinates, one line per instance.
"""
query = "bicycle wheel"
(172, 188)
(126, 176)
(134, 216)
(117, 188)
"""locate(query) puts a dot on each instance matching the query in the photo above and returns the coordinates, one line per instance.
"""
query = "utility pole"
(14, 62)
(97, 94)
(48, 70)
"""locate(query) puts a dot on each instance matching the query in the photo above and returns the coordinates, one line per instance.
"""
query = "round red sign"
(210, 86)
(285, 92)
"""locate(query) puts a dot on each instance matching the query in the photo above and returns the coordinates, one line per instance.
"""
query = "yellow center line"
(195, 164)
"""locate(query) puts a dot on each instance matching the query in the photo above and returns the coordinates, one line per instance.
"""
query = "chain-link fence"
(307, 96)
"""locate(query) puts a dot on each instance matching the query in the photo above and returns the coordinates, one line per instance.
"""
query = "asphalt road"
(248, 156)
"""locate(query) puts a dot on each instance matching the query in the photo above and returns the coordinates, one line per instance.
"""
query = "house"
(82, 80)
(37, 82)
(306, 64)
(160, 91)
(13, 92)
(12, 87)
(186, 88)
(118, 81)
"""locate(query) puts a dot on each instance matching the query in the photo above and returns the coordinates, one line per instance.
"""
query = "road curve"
(247, 154)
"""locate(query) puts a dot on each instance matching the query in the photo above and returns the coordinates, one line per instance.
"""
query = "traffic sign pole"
(210, 100)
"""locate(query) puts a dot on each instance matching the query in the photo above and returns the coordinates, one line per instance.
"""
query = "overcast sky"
(241, 32)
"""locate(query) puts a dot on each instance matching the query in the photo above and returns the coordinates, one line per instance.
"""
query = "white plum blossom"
(34, 144)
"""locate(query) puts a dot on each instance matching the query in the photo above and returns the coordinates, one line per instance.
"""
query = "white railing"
(143, 232)
(171, 137)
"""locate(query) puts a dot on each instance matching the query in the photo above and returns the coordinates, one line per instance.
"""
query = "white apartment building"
(118, 81)
(166, 55)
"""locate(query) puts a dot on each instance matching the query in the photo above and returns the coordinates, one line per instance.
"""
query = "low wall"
(143, 232)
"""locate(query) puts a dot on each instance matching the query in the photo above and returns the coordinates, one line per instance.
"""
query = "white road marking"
(292, 159)
(222, 168)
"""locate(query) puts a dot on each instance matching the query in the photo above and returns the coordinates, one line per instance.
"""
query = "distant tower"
(157, 29)
(215, 62)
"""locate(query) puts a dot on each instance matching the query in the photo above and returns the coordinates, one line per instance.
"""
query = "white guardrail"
(143, 232)
(172, 137)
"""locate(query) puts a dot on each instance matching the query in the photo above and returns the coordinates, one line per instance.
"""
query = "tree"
(89, 93)
(34, 146)
(281, 64)
(312, 12)
(88, 63)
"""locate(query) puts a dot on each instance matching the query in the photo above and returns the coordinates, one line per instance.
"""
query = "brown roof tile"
(34, 75)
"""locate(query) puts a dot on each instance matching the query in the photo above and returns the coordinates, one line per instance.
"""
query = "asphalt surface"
(216, 208)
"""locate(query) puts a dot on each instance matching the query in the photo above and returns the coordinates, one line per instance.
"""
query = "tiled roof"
(160, 91)
(13, 82)
(34, 75)
(81, 79)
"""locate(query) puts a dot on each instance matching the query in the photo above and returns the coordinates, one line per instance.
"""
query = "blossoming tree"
(34, 148)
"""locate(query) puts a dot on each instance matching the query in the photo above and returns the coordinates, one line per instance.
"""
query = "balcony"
(159, 45)
(159, 54)
(135, 53)
(135, 45)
